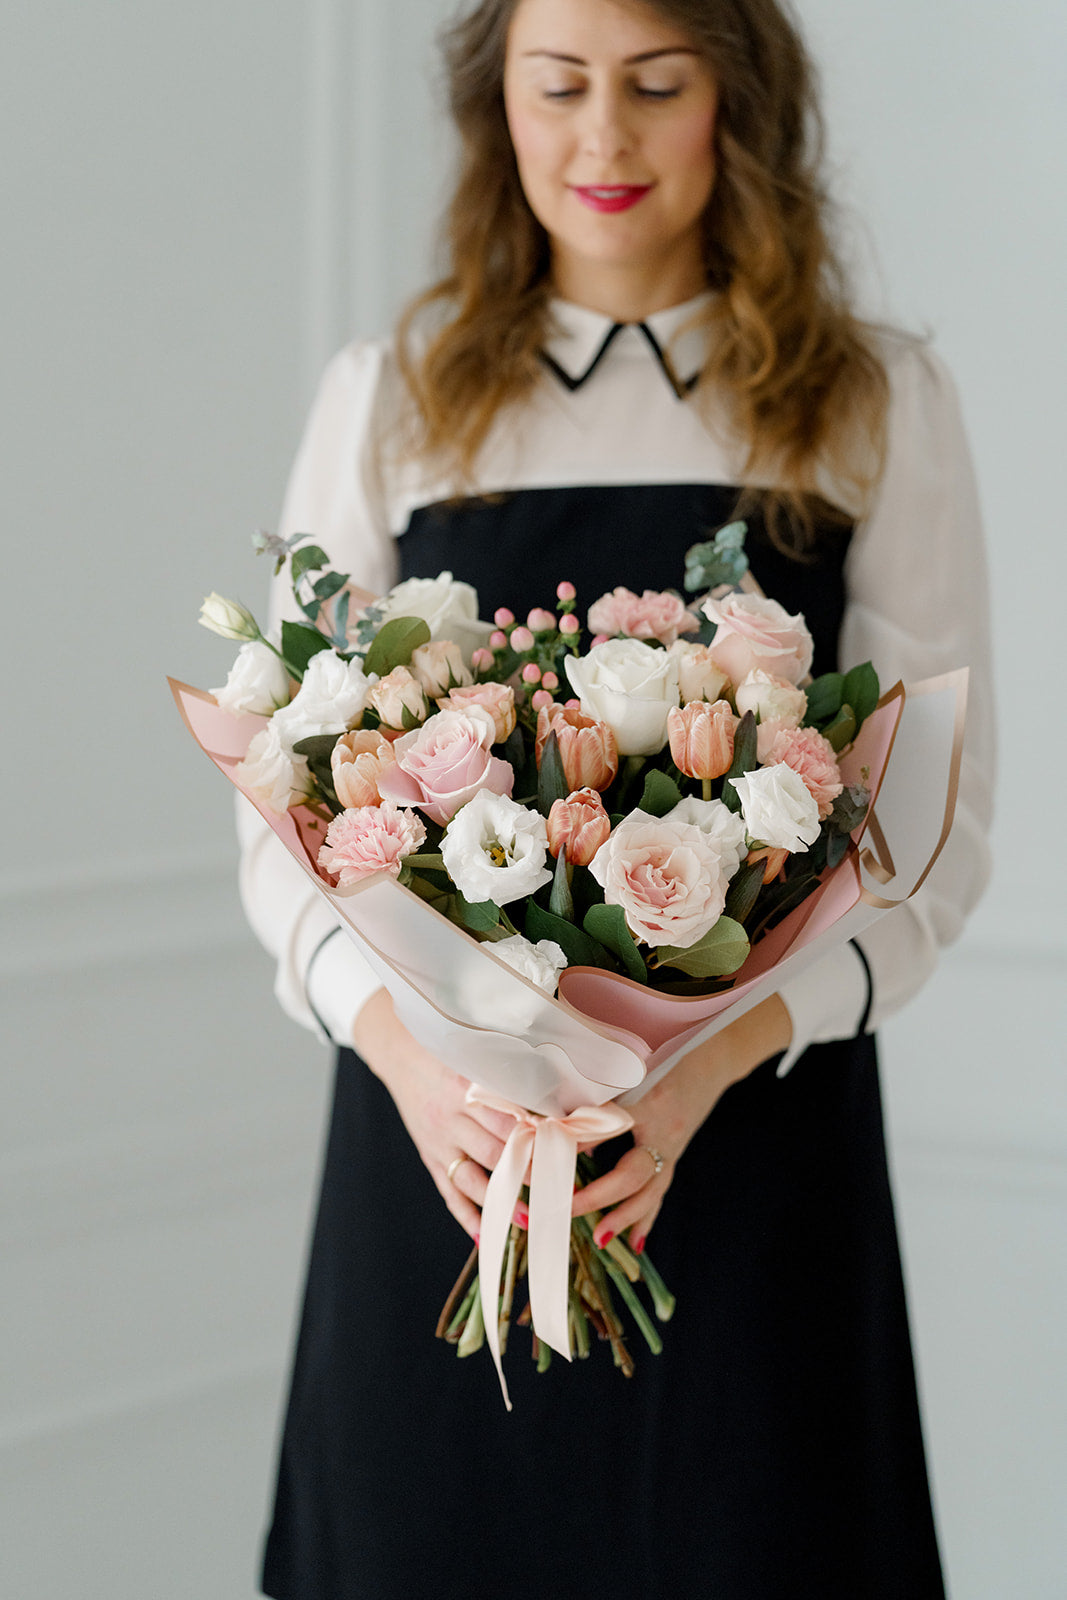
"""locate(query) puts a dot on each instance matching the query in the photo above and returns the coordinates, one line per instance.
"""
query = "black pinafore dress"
(773, 1451)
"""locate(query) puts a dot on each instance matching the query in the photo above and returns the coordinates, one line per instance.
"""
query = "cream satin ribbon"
(549, 1146)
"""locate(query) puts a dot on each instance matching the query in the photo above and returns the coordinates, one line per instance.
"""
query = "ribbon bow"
(549, 1146)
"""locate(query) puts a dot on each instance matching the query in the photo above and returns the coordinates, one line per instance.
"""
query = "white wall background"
(202, 202)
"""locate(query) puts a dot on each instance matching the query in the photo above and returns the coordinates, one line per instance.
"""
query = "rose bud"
(775, 860)
(580, 824)
(356, 761)
(702, 738)
(496, 698)
(587, 748)
(440, 667)
(399, 692)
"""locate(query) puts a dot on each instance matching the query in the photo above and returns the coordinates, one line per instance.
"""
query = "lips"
(611, 197)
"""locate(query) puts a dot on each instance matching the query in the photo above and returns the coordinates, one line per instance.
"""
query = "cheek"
(690, 148)
(535, 145)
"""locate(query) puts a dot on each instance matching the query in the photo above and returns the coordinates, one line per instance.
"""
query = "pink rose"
(370, 839)
(666, 875)
(496, 698)
(753, 633)
(811, 758)
(443, 764)
(651, 615)
(357, 761)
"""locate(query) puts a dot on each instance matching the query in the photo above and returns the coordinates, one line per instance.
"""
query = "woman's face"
(612, 115)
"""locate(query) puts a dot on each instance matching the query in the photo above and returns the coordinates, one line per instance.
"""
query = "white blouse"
(611, 413)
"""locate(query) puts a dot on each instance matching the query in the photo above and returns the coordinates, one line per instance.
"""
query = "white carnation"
(778, 808)
(541, 963)
(273, 773)
(329, 700)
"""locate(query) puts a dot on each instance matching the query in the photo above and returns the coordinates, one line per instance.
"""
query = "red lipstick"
(611, 197)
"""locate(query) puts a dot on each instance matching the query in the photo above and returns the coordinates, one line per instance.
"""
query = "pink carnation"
(370, 839)
(812, 758)
(648, 616)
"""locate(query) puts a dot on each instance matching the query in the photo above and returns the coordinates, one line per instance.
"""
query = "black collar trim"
(681, 387)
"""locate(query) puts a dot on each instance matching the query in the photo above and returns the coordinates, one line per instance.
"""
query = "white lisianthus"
(631, 686)
(228, 618)
(722, 826)
(494, 849)
(450, 609)
(541, 963)
(329, 700)
(778, 808)
(272, 772)
(258, 682)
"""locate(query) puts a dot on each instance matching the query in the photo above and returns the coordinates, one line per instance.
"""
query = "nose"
(606, 133)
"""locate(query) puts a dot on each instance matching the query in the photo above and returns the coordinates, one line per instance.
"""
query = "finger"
(632, 1212)
(640, 1230)
(495, 1122)
(475, 1142)
(467, 1215)
(632, 1173)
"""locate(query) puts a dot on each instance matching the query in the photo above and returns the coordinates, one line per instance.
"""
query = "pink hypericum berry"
(539, 698)
(550, 680)
(566, 592)
(503, 618)
(531, 673)
(481, 659)
(569, 624)
(522, 639)
(540, 621)
(498, 640)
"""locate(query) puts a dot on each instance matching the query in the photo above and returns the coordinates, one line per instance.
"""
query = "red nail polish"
(605, 1240)
(522, 1216)
(477, 1240)
(638, 1247)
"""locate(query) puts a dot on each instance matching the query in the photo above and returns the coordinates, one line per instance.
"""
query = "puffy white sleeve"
(918, 606)
(321, 981)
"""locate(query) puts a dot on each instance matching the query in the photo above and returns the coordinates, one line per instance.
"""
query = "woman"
(642, 329)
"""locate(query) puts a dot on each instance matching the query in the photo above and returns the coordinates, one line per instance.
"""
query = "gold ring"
(657, 1159)
(453, 1168)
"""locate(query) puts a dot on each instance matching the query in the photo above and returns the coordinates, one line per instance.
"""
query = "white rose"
(666, 875)
(772, 699)
(273, 774)
(257, 682)
(722, 826)
(631, 686)
(494, 849)
(698, 676)
(541, 963)
(450, 608)
(778, 808)
(329, 700)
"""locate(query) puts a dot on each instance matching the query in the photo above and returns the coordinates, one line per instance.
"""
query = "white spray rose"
(698, 676)
(541, 963)
(772, 699)
(722, 826)
(778, 808)
(329, 700)
(273, 773)
(258, 682)
(631, 686)
(494, 849)
(450, 609)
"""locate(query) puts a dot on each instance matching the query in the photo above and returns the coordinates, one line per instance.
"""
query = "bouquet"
(641, 821)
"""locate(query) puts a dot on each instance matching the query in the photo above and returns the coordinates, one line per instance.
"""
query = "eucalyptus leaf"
(552, 784)
(330, 585)
(721, 952)
(309, 558)
(300, 643)
(850, 808)
(340, 622)
(825, 695)
(861, 691)
(395, 644)
(718, 561)
(836, 849)
(608, 925)
(579, 947)
(661, 794)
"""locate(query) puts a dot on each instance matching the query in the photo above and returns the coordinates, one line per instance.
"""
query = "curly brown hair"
(799, 372)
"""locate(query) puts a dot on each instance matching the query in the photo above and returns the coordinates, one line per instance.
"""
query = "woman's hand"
(668, 1116)
(430, 1100)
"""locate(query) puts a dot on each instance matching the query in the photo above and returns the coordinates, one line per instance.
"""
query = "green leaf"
(317, 750)
(340, 622)
(580, 949)
(551, 782)
(824, 698)
(850, 808)
(842, 730)
(861, 691)
(608, 925)
(300, 643)
(722, 951)
(661, 794)
(745, 738)
(836, 849)
(720, 560)
(561, 903)
(744, 890)
(395, 644)
(477, 916)
(309, 558)
(330, 585)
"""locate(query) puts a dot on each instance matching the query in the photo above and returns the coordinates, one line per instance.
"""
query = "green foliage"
(825, 695)
(580, 948)
(721, 952)
(316, 751)
(842, 730)
(721, 560)
(850, 808)
(480, 916)
(745, 739)
(661, 794)
(744, 890)
(561, 903)
(299, 644)
(395, 645)
(551, 782)
(608, 925)
(862, 690)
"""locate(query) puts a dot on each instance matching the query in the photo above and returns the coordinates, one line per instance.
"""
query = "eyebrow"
(630, 61)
